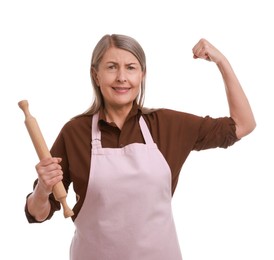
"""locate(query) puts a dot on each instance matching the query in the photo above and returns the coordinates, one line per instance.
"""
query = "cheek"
(102, 79)
(138, 80)
(105, 79)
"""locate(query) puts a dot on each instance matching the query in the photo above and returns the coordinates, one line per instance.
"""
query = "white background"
(223, 205)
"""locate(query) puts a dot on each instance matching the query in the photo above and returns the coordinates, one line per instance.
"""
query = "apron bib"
(127, 211)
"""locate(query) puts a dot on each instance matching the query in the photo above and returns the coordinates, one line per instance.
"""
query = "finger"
(195, 48)
(202, 53)
(48, 185)
(199, 53)
(51, 176)
(53, 166)
(49, 160)
(208, 58)
(52, 181)
(201, 50)
(199, 45)
(50, 171)
(45, 169)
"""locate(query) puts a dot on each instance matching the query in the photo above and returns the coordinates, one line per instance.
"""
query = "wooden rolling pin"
(42, 151)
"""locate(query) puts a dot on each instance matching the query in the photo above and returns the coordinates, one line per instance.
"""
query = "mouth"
(121, 89)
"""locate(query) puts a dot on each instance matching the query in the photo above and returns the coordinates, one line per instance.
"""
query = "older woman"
(124, 160)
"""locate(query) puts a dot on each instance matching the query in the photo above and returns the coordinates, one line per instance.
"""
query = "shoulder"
(169, 115)
(77, 124)
(72, 132)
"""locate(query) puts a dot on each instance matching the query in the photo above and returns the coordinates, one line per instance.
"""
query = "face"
(119, 78)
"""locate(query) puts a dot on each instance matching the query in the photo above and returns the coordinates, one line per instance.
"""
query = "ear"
(95, 76)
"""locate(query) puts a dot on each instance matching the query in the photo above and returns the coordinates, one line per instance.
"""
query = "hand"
(205, 50)
(49, 173)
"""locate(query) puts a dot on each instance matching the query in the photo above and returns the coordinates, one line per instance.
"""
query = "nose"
(121, 76)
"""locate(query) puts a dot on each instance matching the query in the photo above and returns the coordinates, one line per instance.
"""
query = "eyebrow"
(128, 64)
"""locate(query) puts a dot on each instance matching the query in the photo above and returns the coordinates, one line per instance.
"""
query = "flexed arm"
(238, 103)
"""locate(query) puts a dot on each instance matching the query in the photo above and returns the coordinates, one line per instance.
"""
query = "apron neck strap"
(95, 132)
(145, 131)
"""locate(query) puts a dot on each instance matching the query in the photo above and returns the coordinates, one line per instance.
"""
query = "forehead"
(114, 54)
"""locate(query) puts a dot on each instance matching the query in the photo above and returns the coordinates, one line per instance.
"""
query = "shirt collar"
(135, 111)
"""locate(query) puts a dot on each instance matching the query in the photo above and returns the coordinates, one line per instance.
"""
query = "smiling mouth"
(121, 89)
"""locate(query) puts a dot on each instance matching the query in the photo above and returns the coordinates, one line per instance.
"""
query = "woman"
(124, 161)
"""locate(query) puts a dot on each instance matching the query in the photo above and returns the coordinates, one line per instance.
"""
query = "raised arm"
(239, 106)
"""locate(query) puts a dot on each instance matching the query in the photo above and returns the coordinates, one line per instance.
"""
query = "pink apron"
(127, 211)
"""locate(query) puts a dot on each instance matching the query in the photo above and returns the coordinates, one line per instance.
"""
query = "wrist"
(40, 194)
(222, 61)
(38, 204)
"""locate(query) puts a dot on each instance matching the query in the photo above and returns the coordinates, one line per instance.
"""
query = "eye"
(131, 67)
(111, 67)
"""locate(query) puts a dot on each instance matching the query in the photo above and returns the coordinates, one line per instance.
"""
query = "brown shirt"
(175, 133)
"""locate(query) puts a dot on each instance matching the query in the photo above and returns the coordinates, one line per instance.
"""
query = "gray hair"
(122, 42)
